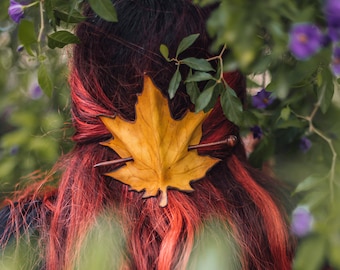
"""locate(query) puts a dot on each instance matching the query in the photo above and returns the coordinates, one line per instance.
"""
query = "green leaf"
(249, 119)
(309, 183)
(262, 152)
(27, 35)
(310, 254)
(204, 98)
(48, 6)
(327, 89)
(292, 122)
(315, 198)
(231, 105)
(186, 43)
(70, 17)
(302, 70)
(334, 253)
(217, 91)
(164, 51)
(44, 80)
(193, 91)
(105, 9)
(174, 83)
(252, 84)
(199, 76)
(204, 2)
(285, 113)
(61, 38)
(197, 64)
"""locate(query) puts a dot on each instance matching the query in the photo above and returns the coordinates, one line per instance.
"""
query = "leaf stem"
(328, 140)
(42, 25)
(220, 59)
(31, 5)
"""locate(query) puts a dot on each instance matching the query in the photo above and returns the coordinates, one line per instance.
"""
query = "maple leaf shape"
(158, 145)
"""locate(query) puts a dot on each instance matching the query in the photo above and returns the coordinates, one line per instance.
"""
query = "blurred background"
(34, 128)
(291, 122)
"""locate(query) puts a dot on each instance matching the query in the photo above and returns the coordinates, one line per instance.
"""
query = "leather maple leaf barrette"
(159, 152)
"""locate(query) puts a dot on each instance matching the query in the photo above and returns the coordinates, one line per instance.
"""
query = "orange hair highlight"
(275, 225)
(107, 72)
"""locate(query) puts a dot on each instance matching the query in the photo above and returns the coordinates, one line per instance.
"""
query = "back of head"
(107, 72)
(112, 59)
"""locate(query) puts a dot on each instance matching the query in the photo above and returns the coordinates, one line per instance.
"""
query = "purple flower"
(302, 221)
(305, 40)
(20, 48)
(334, 32)
(335, 65)
(257, 132)
(332, 11)
(16, 11)
(14, 150)
(305, 144)
(262, 99)
(35, 92)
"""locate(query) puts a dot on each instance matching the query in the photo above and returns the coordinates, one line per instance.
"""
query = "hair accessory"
(231, 141)
(159, 151)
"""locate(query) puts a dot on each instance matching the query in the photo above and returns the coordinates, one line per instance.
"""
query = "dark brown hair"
(107, 71)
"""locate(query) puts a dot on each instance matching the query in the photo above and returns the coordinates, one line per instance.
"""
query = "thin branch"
(328, 140)
(218, 56)
(42, 25)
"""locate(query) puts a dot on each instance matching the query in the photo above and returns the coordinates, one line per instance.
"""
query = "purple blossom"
(305, 144)
(257, 132)
(262, 99)
(35, 92)
(14, 150)
(334, 31)
(302, 221)
(16, 11)
(335, 65)
(332, 9)
(20, 48)
(305, 40)
(332, 12)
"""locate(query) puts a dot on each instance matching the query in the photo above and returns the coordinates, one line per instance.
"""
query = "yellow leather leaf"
(158, 145)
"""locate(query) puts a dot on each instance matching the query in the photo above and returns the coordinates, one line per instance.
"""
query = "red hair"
(107, 72)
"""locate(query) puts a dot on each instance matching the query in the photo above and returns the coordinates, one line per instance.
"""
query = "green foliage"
(32, 132)
(104, 9)
(306, 105)
(231, 105)
(214, 248)
(105, 245)
(197, 64)
(314, 248)
(44, 80)
(164, 51)
(174, 83)
(27, 36)
(186, 43)
(249, 36)
(61, 38)
(204, 98)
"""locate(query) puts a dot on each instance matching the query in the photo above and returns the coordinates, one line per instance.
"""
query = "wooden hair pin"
(231, 141)
(112, 162)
